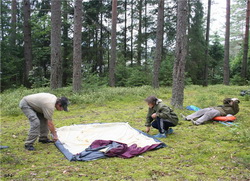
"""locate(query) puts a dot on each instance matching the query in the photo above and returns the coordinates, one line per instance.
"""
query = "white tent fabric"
(76, 138)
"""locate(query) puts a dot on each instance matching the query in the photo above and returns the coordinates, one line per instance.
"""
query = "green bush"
(238, 80)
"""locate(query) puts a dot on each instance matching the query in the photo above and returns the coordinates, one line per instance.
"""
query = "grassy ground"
(207, 152)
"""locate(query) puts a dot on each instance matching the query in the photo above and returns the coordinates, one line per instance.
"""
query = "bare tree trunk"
(139, 41)
(180, 55)
(65, 38)
(146, 37)
(159, 43)
(13, 23)
(27, 42)
(113, 45)
(125, 33)
(132, 27)
(226, 52)
(101, 44)
(77, 52)
(2, 19)
(205, 82)
(244, 60)
(56, 59)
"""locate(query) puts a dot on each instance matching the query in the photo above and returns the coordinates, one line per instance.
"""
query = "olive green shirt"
(162, 111)
(228, 108)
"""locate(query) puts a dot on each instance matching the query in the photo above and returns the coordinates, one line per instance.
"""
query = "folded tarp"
(100, 140)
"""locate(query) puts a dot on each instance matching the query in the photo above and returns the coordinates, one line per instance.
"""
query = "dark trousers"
(162, 124)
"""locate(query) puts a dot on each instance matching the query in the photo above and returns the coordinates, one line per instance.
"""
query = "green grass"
(207, 152)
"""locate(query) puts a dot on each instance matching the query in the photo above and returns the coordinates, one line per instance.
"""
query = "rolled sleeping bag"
(228, 117)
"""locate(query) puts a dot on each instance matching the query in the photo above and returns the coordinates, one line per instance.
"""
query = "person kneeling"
(160, 116)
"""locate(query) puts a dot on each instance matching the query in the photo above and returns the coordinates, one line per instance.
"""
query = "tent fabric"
(92, 141)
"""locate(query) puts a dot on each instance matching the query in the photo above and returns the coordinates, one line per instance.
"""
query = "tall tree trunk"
(132, 28)
(244, 60)
(205, 82)
(125, 33)
(77, 51)
(2, 19)
(180, 55)
(65, 43)
(101, 43)
(159, 43)
(13, 23)
(139, 41)
(226, 51)
(27, 42)
(146, 37)
(113, 45)
(56, 59)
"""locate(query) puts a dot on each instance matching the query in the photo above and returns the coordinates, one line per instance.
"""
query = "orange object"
(224, 118)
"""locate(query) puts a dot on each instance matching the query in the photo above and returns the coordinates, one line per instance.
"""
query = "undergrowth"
(208, 152)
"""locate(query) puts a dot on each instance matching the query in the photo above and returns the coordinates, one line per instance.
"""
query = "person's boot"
(169, 131)
(160, 135)
(29, 147)
(45, 139)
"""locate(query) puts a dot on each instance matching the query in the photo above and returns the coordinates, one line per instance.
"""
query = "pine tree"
(159, 43)
(180, 55)
(56, 59)
(77, 52)
(27, 42)
(226, 52)
(245, 49)
(113, 45)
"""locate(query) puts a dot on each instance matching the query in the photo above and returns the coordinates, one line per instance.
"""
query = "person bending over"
(230, 106)
(39, 109)
(160, 116)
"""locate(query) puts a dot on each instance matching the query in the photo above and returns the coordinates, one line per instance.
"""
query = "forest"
(106, 57)
(119, 43)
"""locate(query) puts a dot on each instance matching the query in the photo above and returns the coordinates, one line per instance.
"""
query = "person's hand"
(55, 137)
(154, 115)
(147, 129)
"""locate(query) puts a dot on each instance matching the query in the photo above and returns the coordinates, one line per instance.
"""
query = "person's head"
(227, 101)
(62, 104)
(151, 100)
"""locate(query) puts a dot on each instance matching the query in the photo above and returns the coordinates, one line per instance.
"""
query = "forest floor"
(211, 151)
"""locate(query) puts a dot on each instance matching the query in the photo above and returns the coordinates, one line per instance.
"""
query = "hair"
(151, 99)
(227, 100)
(58, 101)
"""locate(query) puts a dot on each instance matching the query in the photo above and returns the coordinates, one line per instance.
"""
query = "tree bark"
(77, 51)
(205, 82)
(27, 42)
(180, 55)
(56, 59)
(159, 43)
(245, 53)
(65, 37)
(125, 34)
(13, 22)
(101, 69)
(146, 37)
(132, 27)
(226, 51)
(139, 41)
(113, 45)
